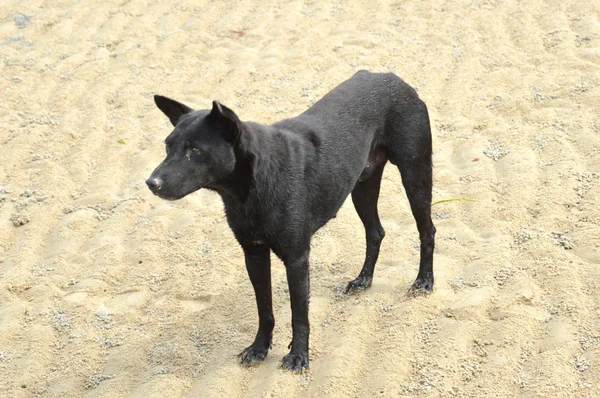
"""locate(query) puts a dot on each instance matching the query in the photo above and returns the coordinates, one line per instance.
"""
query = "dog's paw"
(295, 362)
(360, 283)
(422, 286)
(252, 355)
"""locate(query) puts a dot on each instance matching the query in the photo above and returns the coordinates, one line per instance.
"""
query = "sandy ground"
(106, 291)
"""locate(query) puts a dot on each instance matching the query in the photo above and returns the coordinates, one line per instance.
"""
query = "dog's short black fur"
(281, 183)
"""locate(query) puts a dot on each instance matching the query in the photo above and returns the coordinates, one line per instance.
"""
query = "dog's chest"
(247, 222)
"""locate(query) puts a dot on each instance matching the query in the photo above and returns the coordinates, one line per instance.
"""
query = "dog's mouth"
(169, 196)
(172, 190)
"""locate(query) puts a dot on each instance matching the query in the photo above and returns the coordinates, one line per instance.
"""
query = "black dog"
(283, 182)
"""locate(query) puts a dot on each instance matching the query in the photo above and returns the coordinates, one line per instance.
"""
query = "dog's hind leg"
(410, 149)
(365, 196)
(416, 178)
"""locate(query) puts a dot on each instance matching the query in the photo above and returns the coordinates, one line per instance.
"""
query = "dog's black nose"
(154, 184)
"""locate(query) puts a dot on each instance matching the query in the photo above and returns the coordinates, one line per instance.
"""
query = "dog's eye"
(195, 149)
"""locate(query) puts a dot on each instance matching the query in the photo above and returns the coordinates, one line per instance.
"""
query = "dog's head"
(199, 151)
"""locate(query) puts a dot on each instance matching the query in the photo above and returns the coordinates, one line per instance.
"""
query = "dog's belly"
(327, 204)
(377, 156)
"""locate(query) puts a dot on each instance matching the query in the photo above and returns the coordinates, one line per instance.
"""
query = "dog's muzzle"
(154, 184)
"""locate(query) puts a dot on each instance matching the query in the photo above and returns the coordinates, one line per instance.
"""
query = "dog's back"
(347, 134)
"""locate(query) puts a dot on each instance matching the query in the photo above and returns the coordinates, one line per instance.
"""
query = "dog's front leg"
(298, 283)
(258, 264)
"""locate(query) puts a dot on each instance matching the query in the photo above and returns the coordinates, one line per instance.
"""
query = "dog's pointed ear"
(226, 119)
(171, 108)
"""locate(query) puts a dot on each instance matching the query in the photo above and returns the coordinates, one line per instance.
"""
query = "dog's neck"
(236, 186)
(254, 160)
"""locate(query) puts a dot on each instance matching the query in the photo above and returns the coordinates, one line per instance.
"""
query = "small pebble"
(21, 20)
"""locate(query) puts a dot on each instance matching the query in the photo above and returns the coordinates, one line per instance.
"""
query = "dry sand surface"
(107, 291)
